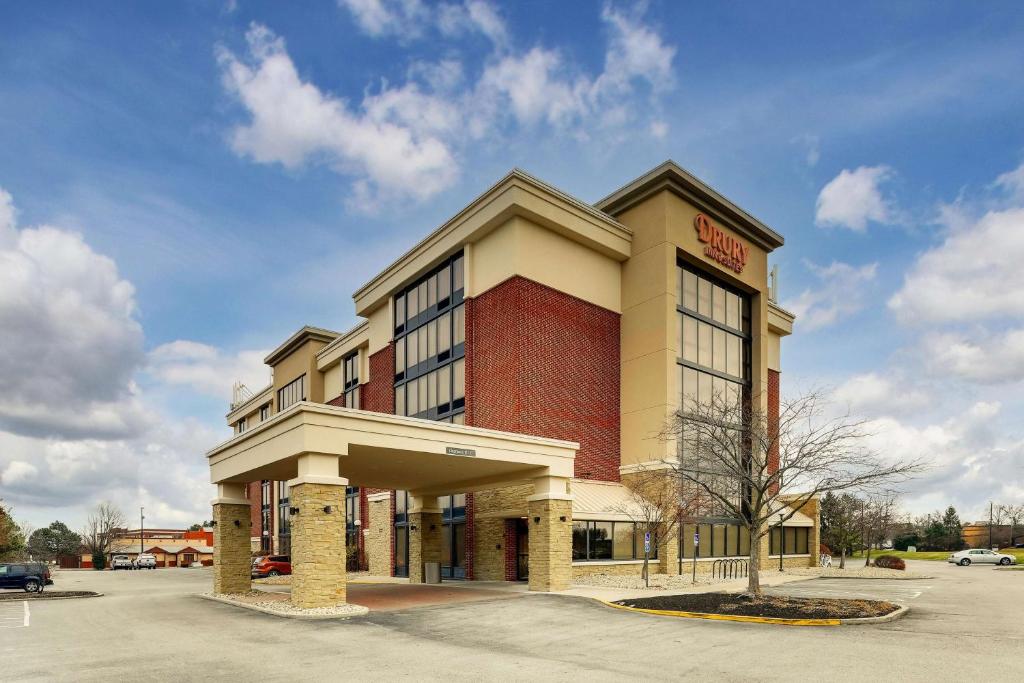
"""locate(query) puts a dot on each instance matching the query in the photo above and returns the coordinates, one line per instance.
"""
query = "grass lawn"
(937, 555)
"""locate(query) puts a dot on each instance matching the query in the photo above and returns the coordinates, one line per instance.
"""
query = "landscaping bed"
(47, 595)
(734, 604)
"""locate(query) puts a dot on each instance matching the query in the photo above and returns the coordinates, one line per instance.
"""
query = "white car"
(121, 562)
(965, 558)
(145, 561)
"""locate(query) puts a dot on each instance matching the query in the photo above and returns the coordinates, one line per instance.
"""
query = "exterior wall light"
(293, 511)
(562, 518)
(328, 509)
(237, 523)
(536, 520)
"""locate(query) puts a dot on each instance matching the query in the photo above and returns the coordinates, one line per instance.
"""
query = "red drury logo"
(725, 249)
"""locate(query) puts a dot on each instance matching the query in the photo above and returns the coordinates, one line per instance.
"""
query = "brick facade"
(378, 394)
(541, 362)
(510, 549)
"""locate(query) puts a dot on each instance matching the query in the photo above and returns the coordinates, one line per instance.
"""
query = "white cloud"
(409, 20)
(70, 343)
(875, 394)
(980, 357)
(976, 273)
(18, 472)
(853, 198)
(812, 146)
(1012, 182)
(206, 369)
(840, 293)
(293, 122)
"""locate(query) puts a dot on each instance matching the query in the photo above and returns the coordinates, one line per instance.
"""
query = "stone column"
(550, 529)
(318, 533)
(232, 562)
(425, 528)
(668, 554)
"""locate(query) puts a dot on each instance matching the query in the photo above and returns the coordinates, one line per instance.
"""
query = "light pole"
(781, 542)
(142, 528)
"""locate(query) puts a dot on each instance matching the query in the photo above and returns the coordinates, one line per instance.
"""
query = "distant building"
(171, 547)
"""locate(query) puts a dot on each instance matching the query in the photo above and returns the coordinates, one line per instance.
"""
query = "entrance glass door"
(522, 550)
(453, 536)
(401, 533)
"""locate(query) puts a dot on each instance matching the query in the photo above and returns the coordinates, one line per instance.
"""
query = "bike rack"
(732, 568)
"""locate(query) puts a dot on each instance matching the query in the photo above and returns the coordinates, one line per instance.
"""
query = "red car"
(271, 565)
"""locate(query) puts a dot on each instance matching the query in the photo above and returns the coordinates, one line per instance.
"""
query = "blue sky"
(186, 156)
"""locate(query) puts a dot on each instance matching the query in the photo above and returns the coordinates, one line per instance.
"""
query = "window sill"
(787, 555)
(598, 563)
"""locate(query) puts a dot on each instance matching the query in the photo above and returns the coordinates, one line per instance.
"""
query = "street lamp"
(781, 541)
(142, 528)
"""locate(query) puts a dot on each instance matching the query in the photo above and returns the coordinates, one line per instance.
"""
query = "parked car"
(145, 561)
(31, 577)
(121, 562)
(271, 565)
(965, 558)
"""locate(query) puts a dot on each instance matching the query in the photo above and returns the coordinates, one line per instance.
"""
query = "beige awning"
(798, 518)
(601, 500)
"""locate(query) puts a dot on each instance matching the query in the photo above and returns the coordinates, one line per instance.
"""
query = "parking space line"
(13, 616)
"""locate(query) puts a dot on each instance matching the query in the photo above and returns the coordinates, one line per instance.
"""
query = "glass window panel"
(690, 397)
(400, 355)
(432, 291)
(412, 397)
(704, 388)
(421, 387)
(690, 339)
(421, 338)
(444, 283)
(600, 540)
(412, 349)
(790, 542)
(688, 531)
(689, 290)
(457, 274)
(732, 541)
(679, 334)
(744, 541)
(679, 285)
(459, 419)
(705, 540)
(412, 303)
(400, 400)
(432, 390)
(444, 385)
(718, 386)
(704, 344)
(459, 379)
(732, 310)
(459, 334)
(773, 541)
(579, 540)
(718, 304)
(719, 349)
(444, 333)
(703, 297)
(718, 540)
(399, 310)
(623, 546)
(734, 347)
(421, 293)
(432, 339)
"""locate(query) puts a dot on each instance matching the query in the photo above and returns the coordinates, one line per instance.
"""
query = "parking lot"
(151, 624)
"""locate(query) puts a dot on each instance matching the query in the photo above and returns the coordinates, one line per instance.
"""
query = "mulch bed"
(765, 606)
(46, 595)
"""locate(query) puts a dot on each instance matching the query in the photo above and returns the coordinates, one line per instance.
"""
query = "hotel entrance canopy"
(388, 452)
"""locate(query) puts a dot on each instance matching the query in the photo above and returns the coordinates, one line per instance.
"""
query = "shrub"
(890, 562)
(99, 561)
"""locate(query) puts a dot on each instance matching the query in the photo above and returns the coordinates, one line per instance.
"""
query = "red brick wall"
(511, 550)
(541, 362)
(378, 394)
(252, 492)
(337, 401)
(470, 546)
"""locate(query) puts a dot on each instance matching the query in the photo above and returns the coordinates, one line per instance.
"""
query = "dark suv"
(28, 576)
(271, 565)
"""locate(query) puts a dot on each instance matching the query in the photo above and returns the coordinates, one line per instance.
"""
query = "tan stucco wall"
(377, 534)
(333, 382)
(301, 361)
(663, 225)
(521, 247)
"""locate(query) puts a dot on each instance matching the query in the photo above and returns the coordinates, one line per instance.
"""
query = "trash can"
(431, 572)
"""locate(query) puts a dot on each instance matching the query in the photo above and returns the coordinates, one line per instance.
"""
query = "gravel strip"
(278, 603)
(860, 572)
(658, 581)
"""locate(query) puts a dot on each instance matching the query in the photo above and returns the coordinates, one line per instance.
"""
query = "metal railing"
(731, 568)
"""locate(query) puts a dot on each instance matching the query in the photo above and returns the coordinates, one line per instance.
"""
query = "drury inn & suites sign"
(719, 246)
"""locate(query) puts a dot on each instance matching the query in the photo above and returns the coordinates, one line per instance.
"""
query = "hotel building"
(508, 373)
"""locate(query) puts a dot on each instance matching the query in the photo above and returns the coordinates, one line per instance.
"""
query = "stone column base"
(232, 556)
(425, 530)
(318, 545)
(550, 529)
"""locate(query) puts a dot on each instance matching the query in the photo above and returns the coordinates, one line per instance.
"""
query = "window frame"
(290, 389)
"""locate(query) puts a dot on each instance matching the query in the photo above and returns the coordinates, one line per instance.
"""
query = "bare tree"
(98, 532)
(739, 457)
(878, 515)
(839, 523)
(1014, 514)
(655, 505)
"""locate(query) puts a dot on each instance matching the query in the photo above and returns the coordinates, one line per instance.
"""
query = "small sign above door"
(451, 450)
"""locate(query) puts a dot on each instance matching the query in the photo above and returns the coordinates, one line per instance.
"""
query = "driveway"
(150, 624)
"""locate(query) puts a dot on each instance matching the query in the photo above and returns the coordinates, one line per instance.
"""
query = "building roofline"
(304, 334)
(343, 338)
(672, 176)
(598, 217)
(242, 408)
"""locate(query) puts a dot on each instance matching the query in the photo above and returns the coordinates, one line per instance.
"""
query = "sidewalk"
(611, 594)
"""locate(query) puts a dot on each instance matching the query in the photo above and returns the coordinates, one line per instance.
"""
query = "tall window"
(240, 426)
(795, 541)
(284, 524)
(401, 533)
(609, 541)
(713, 335)
(352, 526)
(430, 335)
(453, 536)
(264, 413)
(350, 367)
(266, 512)
(291, 393)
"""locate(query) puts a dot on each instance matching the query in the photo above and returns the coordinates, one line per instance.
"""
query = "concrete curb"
(877, 578)
(58, 597)
(286, 615)
(779, 621)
